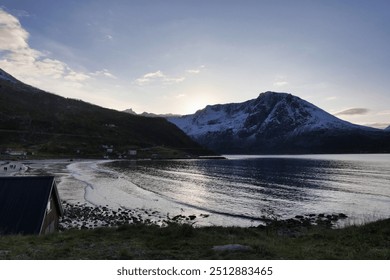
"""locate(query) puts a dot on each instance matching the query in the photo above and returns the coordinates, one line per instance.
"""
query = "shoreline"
(82, 216)
(86, 182)
(12, 168)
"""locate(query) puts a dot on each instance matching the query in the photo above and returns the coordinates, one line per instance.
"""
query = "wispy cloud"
(353, 111)
(158, 77)
(76, 76)
(330, 98)
(195, 70)
(384, 113)
(28, 64)
(154, 75)
(17, 12)
(104, 73)
(21, 13)
(280, 81)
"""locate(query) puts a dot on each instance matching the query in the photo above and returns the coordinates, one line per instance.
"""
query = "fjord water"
(248, 187)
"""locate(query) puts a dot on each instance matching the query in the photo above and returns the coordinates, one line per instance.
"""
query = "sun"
(197, 99)
(195, 105)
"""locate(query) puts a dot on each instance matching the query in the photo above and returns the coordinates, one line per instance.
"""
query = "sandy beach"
(94, 196)
(11, 168)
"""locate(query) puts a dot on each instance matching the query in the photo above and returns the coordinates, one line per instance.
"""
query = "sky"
(177, 56)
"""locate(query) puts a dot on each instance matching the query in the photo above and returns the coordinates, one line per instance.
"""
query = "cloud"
(12, 36)
(172, 80)
(154, 75)
(18, 13)
(158, 77)
(104, 73)
(193, 71)
(77, 77)
(384, 113)
(150, 77)
(30, 65)
(196, 70)
(330, 98)
(353, 111)
(280, 81)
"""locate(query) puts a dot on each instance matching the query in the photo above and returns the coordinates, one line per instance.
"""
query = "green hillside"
(46, 124)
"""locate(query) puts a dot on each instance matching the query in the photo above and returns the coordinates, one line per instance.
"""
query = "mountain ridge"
(150, 115)
(7, 77)
(47, 124)
(278, 123)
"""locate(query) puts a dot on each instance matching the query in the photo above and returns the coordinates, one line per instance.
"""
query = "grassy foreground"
(370, 241)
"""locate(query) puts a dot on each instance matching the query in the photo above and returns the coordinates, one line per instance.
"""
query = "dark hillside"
(45, 123)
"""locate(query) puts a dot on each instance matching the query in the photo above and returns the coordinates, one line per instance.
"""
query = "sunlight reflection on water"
(251, 186)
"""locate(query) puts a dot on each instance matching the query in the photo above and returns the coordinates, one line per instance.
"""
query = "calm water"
(249, 187)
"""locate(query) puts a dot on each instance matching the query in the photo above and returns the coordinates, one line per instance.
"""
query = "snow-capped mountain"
(276, 123)
(387, 128)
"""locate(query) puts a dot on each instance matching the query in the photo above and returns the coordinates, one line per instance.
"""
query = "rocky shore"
(300, 224)
(82, 216)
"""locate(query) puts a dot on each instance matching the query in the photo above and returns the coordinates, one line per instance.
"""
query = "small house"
(29, 205)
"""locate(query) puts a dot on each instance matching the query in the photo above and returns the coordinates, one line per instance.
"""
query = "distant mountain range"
(46, 124)
(151, 115)
(279, 123)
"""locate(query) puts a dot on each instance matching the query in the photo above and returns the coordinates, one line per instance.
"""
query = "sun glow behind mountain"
(196, 100)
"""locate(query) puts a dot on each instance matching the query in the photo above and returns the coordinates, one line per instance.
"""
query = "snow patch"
(280, 109)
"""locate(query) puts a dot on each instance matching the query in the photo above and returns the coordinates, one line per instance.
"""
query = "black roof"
(23, 203)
